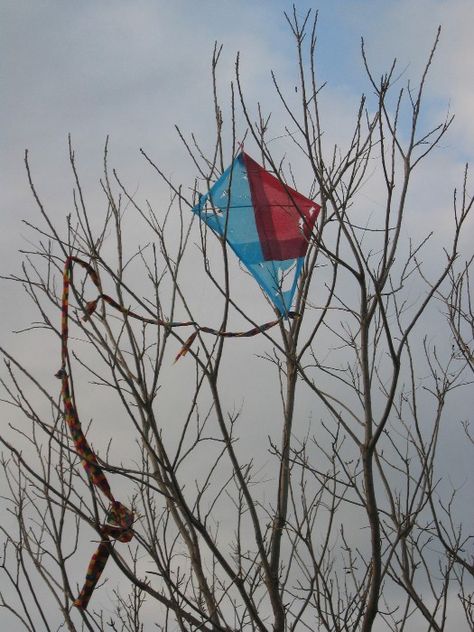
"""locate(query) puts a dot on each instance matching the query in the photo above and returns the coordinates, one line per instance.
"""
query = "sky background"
(131, 70)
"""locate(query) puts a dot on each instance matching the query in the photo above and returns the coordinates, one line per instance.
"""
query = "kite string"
(119, 519)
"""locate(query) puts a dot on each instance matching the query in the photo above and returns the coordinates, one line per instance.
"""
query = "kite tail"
(231, 334)
(94, 571)
(119, 519)
(119, 525)
(91, 306)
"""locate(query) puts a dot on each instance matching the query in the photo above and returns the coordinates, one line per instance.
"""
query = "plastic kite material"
(266, 223)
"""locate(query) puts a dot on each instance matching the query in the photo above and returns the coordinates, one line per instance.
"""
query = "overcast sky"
(133, 69)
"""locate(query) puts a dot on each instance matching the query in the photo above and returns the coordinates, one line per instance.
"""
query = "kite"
(266, 223)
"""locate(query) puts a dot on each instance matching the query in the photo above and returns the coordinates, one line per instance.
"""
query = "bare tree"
(347, 525)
